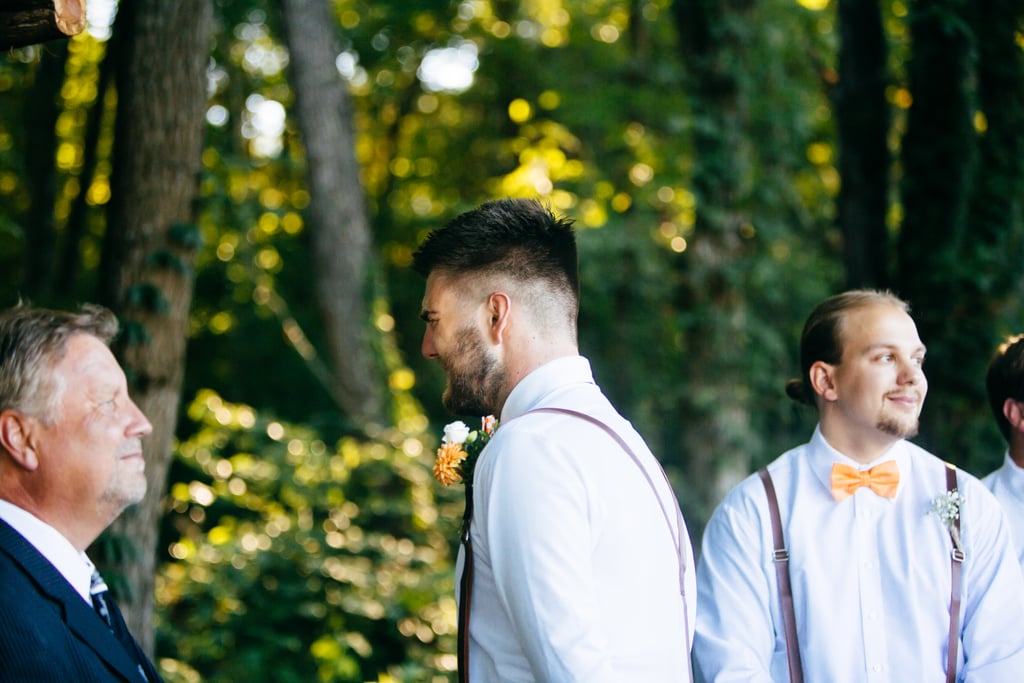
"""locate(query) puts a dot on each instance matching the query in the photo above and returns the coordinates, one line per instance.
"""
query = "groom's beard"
(475, 378)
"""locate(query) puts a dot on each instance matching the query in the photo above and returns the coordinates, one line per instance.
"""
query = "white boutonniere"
(947, 508)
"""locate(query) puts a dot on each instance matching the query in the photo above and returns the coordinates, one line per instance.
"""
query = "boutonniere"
(459, 450)
(947, 508)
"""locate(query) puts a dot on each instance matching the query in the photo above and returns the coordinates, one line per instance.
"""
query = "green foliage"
(293, 556)
(133, 333)
(147, 297)
(186, 235)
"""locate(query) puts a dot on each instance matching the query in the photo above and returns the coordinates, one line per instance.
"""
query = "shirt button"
(876, 668)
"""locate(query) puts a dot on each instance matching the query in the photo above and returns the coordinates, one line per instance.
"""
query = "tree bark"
(939, 165)
(43, 106)
(25, 22)
(336, 219)
(996, 204)
(862, 117)
(991, 246)
(150, 243)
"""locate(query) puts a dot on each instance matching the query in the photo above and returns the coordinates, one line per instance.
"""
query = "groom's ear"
(499, 309)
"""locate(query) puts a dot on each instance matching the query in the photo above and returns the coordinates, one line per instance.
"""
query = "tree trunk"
(338, 225)
(996, 205)
(150, 243)
(717, 439)
(43, 106)
(939, 164)
(862, 117)
(25, 22)
(991, 248)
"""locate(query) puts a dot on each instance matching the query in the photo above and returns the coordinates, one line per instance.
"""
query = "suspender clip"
(958, 555)
(781, 555)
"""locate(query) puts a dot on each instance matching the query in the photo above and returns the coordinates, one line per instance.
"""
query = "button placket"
(869, 585)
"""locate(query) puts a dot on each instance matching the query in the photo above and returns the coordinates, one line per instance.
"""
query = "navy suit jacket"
(47, 632)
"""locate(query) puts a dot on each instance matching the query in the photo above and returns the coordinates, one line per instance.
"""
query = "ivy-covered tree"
(148, 252)
(863, 121)
(961, 190)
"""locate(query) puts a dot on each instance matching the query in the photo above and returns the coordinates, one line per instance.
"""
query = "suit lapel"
(78, 616)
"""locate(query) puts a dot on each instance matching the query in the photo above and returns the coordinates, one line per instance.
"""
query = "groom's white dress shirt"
(576, 573)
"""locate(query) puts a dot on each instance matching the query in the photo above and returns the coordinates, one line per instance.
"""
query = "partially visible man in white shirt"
(580, 558)
(1005, 384)
(870, 566)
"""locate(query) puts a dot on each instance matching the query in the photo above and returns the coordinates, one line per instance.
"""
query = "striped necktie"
(111, 616)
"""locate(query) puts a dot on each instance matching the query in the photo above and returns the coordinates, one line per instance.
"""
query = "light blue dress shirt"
(1007, 485)
(871, 579)
(576, 573)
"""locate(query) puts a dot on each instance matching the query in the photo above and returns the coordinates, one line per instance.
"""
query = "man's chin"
(125, 496)
(461, 406)
(466, 410)
(901, 430)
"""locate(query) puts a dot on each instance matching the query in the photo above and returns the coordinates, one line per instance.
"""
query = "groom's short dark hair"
(517, 238)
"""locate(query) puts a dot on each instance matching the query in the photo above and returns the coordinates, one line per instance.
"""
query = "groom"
(578, 554)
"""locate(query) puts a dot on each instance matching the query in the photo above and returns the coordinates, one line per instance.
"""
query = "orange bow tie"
(882, 479)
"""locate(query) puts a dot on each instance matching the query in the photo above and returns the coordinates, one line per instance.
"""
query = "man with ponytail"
(859, 556)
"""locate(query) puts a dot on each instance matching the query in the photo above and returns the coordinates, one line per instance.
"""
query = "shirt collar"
(546, 382)
(73, 565)
(822, 456)
(1012, 477)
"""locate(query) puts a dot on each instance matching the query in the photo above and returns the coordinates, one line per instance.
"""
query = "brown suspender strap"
(678, 540)
(465, 587)
(786, 594)
(956, 566)
(781, 557)
(466, 583)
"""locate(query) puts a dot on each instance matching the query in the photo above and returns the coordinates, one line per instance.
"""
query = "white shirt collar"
(551, 378)
(1012, 477)
(73, 565)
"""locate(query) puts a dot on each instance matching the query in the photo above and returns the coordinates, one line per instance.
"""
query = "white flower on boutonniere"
(459, 450)
(947, 508)
(455, 432)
